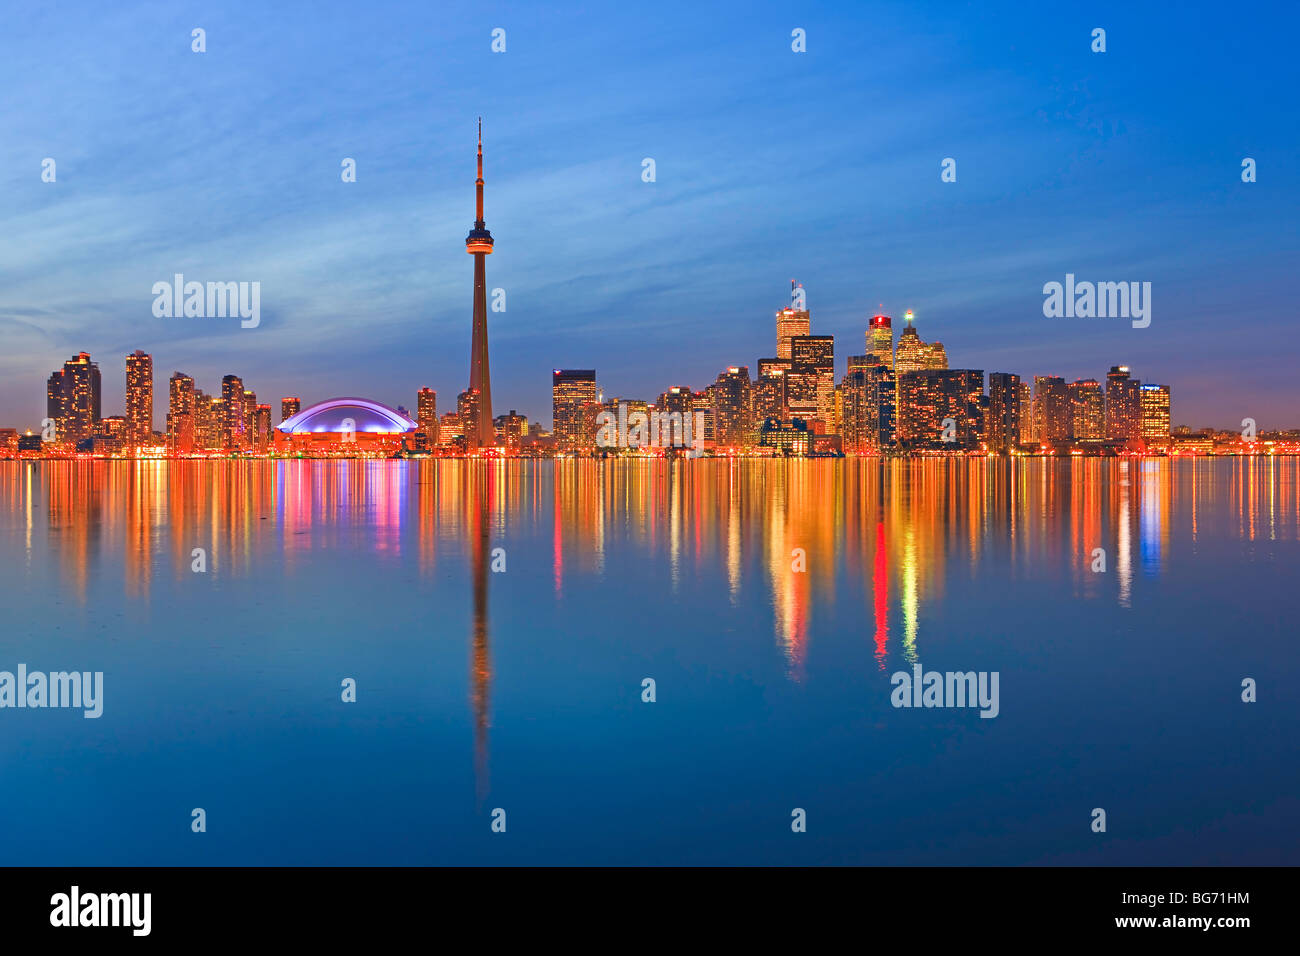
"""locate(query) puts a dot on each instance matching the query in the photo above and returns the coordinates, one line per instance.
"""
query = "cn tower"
(480, 434)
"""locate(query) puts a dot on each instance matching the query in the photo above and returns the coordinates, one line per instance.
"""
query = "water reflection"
(478, 484)
(894, 534)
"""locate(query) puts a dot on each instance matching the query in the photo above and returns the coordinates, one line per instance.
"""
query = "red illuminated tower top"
(479, 239)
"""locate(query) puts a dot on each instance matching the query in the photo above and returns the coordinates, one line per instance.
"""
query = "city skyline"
(850, 446)
(597, 269)
(1006, 416)
(895, 397)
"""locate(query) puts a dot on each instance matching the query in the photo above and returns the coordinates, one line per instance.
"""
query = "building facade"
(139, 399)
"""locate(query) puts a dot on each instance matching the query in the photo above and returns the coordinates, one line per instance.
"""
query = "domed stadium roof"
(337, 414)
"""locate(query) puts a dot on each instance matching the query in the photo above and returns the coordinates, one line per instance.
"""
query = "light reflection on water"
(613, 567)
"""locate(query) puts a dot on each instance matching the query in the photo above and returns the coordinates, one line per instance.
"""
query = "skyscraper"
(880, 339)
(139, 399)
(733, 409)
(913, 355)
(573, 403)
(250, 420)
(289, 407)
(930, 396)
(426, 412)
(513, 427)
(233, 417)
(209, 421)
(1003, 426)
(1028, 434)
(770, 389)
(791, 321)
(180, 414)
(676, 400)
(1053, 411)
(262, 428)
(479, 432)
(1155, 414)
(869, 394)
(72, 399)
(1087, 409)
(1123, 405)
(810, 384)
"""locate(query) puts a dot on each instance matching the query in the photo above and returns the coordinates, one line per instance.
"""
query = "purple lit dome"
(337, 414)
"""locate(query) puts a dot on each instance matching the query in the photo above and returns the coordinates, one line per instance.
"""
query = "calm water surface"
(521, 688)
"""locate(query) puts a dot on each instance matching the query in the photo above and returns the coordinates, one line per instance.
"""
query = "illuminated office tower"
(733, 409)
(676, 400)
(1154, 400)
(929, 396)
(855, 432)
(880, 339)
(1087, 410)
(1123, 405)
(139, 399)
(205, 422)
(573, 404)
(702, 410)
(289, 407)
(114, 427)
(869, 392)
(910, 354)
(1053, 412)
(1028, 433)
(914, 355)
(811, 386)
(72, 399)
(670, 414)
(770, 389)
(209, 421)
(449, 428)
(622, 411)
(513, 428)
(426, 414)
(250, 419)
(801, 393)
(478, 430)
(181, 419)
(791, 321)
(234, 421)
(883, 396)
(262, 430)
(467, 412)
(1003, 424)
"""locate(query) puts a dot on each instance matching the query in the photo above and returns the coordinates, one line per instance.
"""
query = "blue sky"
(822, 166)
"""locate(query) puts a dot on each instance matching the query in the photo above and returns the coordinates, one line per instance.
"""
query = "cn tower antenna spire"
(478, 183)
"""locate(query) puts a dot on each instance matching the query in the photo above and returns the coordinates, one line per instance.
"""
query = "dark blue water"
(521, 689)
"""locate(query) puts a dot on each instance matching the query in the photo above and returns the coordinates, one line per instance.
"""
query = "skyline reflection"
(901, 528)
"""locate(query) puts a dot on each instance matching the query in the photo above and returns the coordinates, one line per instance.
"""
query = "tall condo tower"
(479, 433)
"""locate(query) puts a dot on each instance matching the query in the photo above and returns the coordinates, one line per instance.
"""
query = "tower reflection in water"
(479, 481)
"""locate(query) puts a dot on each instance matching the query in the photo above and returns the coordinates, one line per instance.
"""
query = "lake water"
(769, 601)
